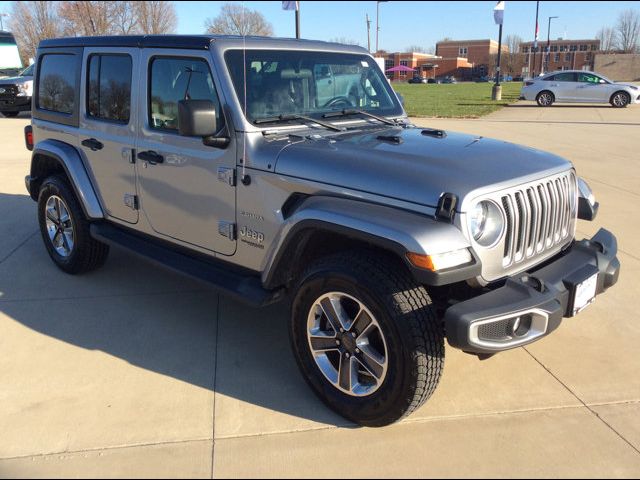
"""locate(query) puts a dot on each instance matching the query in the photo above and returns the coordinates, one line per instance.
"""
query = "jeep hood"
(415, 167)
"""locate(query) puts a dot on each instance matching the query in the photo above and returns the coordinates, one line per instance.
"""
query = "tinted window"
(56, 85)
(109, 87)
(564, 77)
(175, 79)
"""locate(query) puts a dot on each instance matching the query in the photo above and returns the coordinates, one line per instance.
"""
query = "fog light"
(520, 326)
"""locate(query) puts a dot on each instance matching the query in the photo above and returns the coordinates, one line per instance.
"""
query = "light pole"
(1, 24)
(546, 63)
(378, 2)
(368, 33)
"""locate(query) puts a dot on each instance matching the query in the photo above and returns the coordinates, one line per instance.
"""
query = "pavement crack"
(582, 401)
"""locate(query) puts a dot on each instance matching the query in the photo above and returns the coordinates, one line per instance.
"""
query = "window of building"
(525, 49)
(462, 52)
(564, 48)
(526, 58)
(109, 87)
(554, 48)
(573, 48)
(567, 57)
(584, 48)
(56, 85)
(175, 79)
(556, 57)
(588, 57)
(594, 48)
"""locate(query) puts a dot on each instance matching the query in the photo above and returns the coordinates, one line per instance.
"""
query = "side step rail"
(244, 287)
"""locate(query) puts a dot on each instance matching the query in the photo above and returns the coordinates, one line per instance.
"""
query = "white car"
(578, 86)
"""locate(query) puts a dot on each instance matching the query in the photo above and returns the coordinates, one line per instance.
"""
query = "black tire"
(414, 337)
(87, 253)
(620, 100)
(10, 114)
(545, 98)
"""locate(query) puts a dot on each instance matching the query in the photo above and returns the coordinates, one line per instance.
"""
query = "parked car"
(417, 79)
(212, 156)
(433, 80)
(518, 78)
(15, 93)
(578, 86)
(449, 80)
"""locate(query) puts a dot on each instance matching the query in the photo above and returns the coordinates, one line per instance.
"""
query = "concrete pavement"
(135, 371)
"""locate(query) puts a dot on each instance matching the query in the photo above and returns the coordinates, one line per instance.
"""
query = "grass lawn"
(461, 100)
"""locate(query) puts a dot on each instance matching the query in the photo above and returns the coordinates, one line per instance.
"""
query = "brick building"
(426, 65)
(563, 55)
(477, 52)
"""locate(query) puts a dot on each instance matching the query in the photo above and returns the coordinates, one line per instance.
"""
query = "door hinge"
(227, 229)
(131, 201)
(227, 175)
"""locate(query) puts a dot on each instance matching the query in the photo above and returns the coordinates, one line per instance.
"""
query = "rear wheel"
(620, 99)
(366, 337)
(10, 114)
(65, 230)
(545, 98)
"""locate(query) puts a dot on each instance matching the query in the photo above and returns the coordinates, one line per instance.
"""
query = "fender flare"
(67, 157)
(392, 229)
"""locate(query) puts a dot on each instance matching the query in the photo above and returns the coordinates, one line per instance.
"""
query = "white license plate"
(585, 293)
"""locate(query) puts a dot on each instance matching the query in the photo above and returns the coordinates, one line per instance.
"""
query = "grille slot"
(10, 91)
(539, 216)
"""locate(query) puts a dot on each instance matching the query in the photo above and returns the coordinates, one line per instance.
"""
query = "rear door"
(108, 127)
(187, 192)
(563, 85)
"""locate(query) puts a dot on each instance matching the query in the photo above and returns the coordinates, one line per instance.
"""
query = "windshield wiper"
(287, 118)
(355, 111)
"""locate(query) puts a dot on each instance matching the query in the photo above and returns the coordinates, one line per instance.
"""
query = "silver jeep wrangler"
(286, 169)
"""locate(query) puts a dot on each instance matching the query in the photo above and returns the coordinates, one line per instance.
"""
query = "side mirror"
(197, 118)
(602, 81)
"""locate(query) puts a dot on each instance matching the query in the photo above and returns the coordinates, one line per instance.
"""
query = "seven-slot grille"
(538, 217)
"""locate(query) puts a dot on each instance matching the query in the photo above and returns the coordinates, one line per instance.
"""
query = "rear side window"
(564, 77)
(175, 79)
(109, 87)
(56, 86)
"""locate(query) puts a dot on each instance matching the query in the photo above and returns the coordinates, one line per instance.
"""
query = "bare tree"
(344, 41)
(82, 18)
(415, 48)
(124, 18)
(628, 30)
(513, 42)
(607, 37)
(32, 22)
(155, 17)
(234, 19)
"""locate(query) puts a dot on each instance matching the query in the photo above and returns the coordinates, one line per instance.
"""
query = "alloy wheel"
(347, 344)
(59, 226)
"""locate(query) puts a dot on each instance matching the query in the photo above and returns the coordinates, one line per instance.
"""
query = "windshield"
(9, 56)
(309, 83)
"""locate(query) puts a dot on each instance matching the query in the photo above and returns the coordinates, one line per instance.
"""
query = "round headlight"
(486, 223)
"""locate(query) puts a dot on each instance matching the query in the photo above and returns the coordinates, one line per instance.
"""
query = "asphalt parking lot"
(133, 371)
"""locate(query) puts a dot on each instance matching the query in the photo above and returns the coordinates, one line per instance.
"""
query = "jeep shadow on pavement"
(287, 170)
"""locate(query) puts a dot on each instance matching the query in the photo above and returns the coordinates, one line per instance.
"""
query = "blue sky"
(404, 23)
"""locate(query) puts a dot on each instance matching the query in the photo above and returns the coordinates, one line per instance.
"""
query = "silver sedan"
(578, 86)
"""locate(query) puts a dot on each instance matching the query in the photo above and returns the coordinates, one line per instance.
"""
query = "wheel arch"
(52, 156)
(326, 225)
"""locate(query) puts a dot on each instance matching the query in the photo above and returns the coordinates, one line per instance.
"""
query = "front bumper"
(15, 104)
(531, 305)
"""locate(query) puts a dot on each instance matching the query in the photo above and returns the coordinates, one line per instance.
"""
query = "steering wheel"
(338, 100)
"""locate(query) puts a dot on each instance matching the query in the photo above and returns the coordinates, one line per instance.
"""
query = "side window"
(56, 83)
(588, 78)
(109, 87)
(565, 77)
(175, 79)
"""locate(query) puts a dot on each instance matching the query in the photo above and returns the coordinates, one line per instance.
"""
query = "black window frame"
(172, 131)
(70, 119)
(88, 86)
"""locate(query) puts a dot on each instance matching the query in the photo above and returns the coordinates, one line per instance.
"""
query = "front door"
(590, 89)
(181, 192)
(108, 126)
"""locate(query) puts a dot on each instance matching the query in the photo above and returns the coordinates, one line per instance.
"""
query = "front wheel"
(620, 99)
(366, 337)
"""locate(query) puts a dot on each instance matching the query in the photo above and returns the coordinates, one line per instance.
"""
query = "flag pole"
(298, 20)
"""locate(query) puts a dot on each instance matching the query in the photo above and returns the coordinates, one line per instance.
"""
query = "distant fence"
(621, 67)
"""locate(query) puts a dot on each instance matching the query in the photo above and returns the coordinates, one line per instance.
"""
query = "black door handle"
(151, 157)
(93, 144)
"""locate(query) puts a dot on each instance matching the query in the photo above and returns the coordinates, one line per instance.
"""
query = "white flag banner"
(498, 13)
(289, 5)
